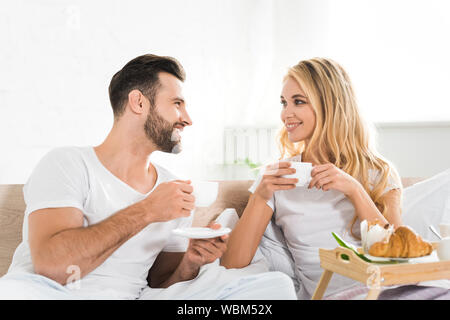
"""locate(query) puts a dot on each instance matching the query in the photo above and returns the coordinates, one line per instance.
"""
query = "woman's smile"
(291, 126)
(297, 113)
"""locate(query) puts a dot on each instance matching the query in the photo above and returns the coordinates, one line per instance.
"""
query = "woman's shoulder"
(393, 178)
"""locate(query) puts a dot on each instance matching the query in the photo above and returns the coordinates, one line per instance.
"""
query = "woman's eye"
(283, 103)
(298, 102)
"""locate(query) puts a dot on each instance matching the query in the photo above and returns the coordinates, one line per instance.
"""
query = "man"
(98, 219)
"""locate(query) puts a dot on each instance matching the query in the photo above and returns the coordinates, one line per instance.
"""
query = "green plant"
(248, 163)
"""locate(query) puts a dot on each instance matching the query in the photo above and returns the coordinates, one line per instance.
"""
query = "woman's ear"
(135, 100)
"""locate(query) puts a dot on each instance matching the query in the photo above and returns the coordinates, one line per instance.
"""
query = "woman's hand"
(328, 176)
(272, 180)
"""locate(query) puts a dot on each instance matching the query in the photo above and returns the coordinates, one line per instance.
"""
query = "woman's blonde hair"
(341, 136)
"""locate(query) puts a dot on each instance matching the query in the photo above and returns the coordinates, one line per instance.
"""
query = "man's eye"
(178, 103)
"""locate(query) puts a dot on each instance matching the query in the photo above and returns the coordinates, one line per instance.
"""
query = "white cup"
(444, 229)
(302, 172)
(443, 249)
(205, 192)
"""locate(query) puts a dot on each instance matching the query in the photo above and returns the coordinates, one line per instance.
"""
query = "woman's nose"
(287, 112)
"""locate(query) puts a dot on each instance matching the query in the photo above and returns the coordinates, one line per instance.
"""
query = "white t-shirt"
(306, 218)
(74, 177)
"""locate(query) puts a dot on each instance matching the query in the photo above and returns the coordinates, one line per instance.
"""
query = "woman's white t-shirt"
(74, 177)
(306, 218)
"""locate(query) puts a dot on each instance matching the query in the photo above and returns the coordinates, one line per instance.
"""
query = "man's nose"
(185, 119)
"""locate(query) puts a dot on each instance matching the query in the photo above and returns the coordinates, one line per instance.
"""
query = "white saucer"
(373, 258)
(200, 233)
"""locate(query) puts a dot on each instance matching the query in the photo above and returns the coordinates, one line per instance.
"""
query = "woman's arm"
(246, 235)
(328, 176)
(393, 211)
(366, 209)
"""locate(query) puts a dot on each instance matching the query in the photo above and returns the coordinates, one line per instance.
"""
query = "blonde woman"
(350, 182)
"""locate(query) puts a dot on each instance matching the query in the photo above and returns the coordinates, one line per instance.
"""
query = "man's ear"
(135, 101)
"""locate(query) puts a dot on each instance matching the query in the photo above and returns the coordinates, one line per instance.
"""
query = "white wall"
(396, 53)
(58, 56)
(416, 149)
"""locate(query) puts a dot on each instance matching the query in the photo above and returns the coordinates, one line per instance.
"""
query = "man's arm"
(58, 239)
(173, 267)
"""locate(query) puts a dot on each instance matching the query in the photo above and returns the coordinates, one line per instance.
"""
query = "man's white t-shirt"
(74, 177)
(302, 222)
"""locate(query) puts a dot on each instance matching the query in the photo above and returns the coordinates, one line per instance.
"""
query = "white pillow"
(427, 203)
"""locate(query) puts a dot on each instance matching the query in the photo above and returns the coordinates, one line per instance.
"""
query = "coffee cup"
(205, 192)
(444, 229)
(443, 249)
(302, 172)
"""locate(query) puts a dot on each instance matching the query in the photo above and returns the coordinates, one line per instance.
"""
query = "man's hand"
(201, 252)
(170, 200)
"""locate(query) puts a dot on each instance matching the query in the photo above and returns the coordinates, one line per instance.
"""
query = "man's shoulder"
(58, 168)
(67, 151)
(164, 173)
(65, 155)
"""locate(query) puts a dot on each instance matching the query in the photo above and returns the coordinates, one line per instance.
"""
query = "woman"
(350, 181)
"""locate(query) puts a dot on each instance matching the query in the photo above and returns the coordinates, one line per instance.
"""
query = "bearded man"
(98, 221)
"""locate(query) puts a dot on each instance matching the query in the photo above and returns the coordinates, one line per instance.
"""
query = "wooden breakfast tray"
(375, 275)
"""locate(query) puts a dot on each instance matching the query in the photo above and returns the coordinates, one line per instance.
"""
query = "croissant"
(403, 243)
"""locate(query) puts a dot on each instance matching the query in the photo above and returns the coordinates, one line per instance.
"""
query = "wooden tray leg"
(322, 285)
(373, 293)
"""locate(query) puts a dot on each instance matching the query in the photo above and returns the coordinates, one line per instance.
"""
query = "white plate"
(201, 233)
(428, 258)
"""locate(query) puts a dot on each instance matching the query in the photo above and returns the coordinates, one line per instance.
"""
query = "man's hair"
(141, 73)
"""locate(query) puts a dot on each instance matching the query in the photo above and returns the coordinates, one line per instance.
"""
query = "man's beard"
(162, 133)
